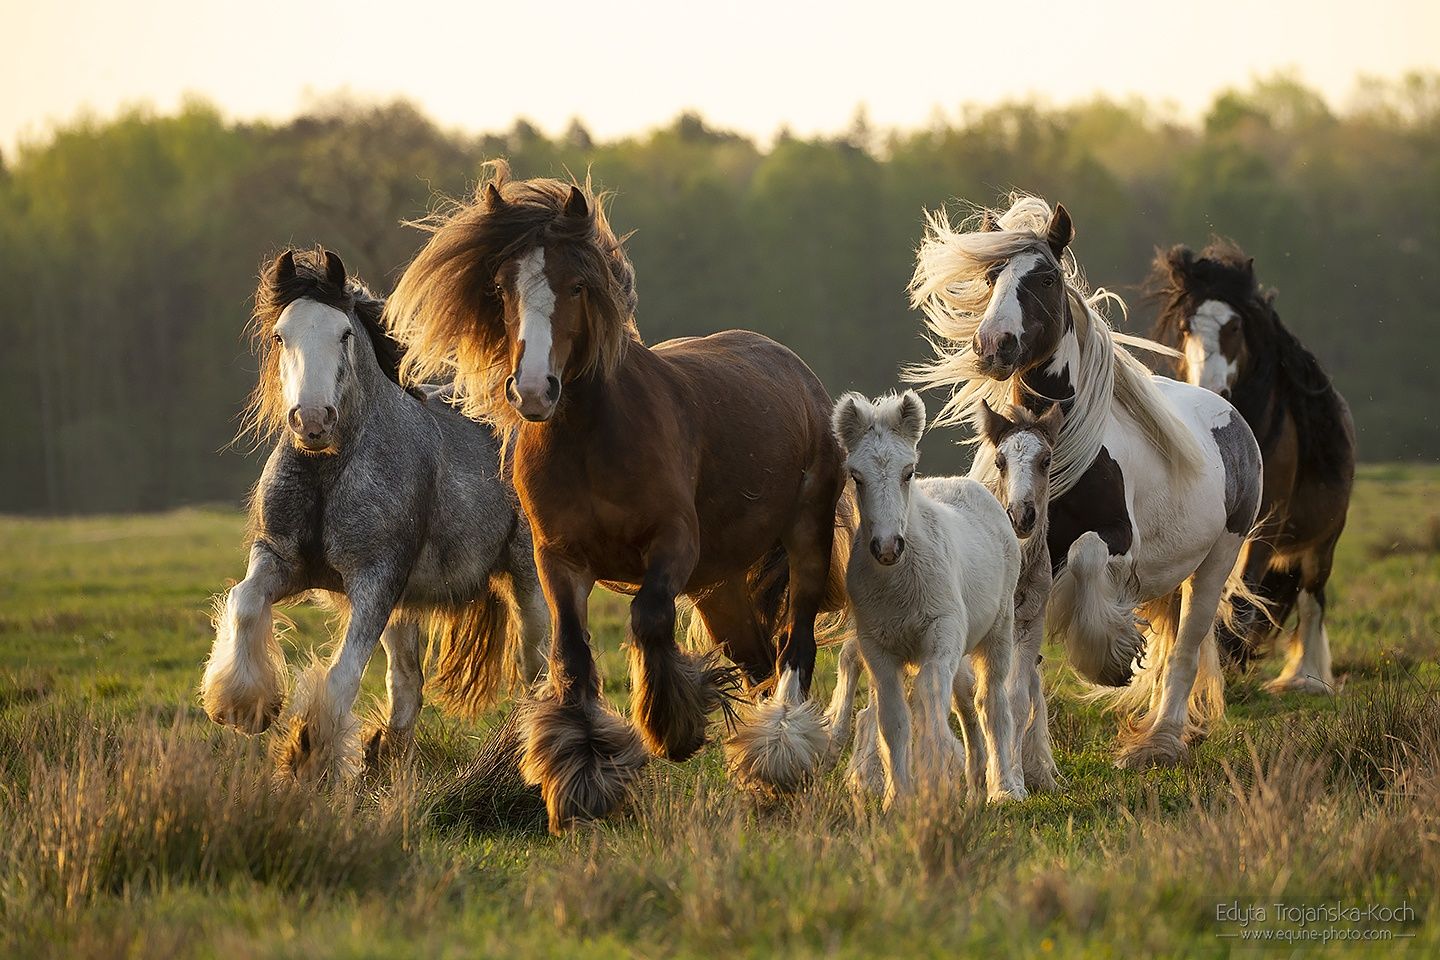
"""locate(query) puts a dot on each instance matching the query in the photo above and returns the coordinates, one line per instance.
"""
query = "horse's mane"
(949, 285)
(1280, 366)
(447, 312)
(264, 411)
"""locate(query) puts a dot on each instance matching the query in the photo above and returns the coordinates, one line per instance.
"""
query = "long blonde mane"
(950, 286)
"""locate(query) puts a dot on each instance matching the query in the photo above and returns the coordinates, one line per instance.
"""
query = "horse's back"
(980, 540)
(745, 367)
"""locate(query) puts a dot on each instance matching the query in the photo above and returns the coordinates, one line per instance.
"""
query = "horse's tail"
(471, 645)
(1093, 610)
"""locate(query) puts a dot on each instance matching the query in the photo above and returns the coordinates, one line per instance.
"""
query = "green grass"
(131, 826)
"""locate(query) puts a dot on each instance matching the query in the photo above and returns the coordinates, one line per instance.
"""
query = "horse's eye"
(346, 335)
(578, 289)
(1000, 462)
(499, 292)
(1048, 282)
(1045, 462)
(279, 340)
(856, 477)
(908, 475)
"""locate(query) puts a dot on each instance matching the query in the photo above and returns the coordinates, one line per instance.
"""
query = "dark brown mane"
(1280, 367)
(446, 306)
(263, 416)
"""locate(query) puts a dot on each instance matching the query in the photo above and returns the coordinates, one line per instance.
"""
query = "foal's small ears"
(912, 417)
(993, 426)
(988, 223)
(852, 416)
(490, 196)
(334, 269)
(1051, 421)
(284, 266)
(1060, 231)
(577, 204)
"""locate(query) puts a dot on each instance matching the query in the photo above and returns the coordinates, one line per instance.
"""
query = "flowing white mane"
(950, 286)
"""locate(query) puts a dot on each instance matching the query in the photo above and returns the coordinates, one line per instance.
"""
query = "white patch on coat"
(1023, 478)
(536, 305)
(1004, 315)
(311, 352)
(1205, 364)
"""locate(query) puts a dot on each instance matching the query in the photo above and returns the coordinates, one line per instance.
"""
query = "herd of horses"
(465, 461)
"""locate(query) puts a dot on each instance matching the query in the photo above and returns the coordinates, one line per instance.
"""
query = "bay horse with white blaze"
(1154, 484)
(1232, 342)
(389, 501)
(702, 467)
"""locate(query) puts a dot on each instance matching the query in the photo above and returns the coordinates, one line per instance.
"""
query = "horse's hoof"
(384, 746)
(674, 695)
(584, 758)
(778, 747)
(1042, 780)
(320, 741)
(1299, 683)
(1155, 749)
(1008, 794)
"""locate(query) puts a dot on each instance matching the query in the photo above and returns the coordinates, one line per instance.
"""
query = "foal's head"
(880, 439)
(1022, 444)
(313, 328)
(521, 290)
(1211, 309)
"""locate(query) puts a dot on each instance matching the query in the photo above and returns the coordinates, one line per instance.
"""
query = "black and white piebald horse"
(1232, 342)
(1155, 484)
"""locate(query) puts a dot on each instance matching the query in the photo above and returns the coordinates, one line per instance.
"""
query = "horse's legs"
(673, 691)
(840, 715)
(521, 593)
(1307, 662)
(887, 680)
(1238, 645)
(865, 772)
(244, 683)
(780, 745)
(582, 755)
(404, 677)
(729, 615)
(1028, 707)
(937, 751)
(323, 738)
(992, 658)
(963, 699)
(1159, 739)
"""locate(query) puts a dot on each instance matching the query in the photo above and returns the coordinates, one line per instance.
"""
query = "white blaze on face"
(1206, 366)
(312, 350)
(1003, 314)
(1024, 478)
(536, 306)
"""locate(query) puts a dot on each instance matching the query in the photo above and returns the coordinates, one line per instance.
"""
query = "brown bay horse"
(702, 467)
(1212, 309)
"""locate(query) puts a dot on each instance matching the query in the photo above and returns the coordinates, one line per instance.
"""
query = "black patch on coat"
(1240, 455)
(1096, 502)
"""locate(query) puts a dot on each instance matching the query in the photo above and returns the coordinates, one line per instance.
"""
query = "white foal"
(931, 578)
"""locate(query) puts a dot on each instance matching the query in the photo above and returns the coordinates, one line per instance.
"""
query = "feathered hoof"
(386, 745)
(1158, 748)
(1011, 794)
(779, 745)
(319, 740)
(674, 695)
(1299, 683)
(1042, 778)
(250, 699)
(584, 757)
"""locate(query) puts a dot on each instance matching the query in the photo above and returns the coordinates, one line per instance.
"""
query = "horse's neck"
(1053, 381)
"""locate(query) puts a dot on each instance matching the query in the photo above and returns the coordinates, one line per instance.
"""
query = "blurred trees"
(129, 248)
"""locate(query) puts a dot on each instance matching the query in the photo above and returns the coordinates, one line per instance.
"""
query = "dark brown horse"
(702, 466)
(1214, 311)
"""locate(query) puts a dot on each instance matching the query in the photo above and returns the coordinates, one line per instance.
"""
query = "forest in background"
(129, 249)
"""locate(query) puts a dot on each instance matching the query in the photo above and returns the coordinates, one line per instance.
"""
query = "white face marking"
(313, 348)
(1205, 365)
(536, 306)
(880, 462)
(1003, 314)
(1024, 482)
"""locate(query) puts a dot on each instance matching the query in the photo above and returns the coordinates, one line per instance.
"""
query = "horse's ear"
(1178, 258)
(284, 266)
(851, 417)
(577, 204)
(1250, 269)
(911, 424)
(1060, 231)
(490, 196)
(988, 223)
(335, 269)
(993, 426)
(1051, 421)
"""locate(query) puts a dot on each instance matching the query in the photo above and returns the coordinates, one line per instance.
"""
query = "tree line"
(129, 249)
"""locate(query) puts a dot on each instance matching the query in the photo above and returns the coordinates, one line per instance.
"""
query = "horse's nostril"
(330, 414)
(1008, 345)
(552, 389)
(511, 394)
(875, 547)
(899, 546)
(294, 418)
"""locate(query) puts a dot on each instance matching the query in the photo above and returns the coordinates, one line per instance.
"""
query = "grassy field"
(131, 826)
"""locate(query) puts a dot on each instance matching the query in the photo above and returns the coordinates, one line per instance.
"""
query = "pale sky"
(624, 67)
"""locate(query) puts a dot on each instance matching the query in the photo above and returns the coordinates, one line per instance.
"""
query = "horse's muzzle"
(1022, 518)
(313, 427)
(888, 552)
(535, 406)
